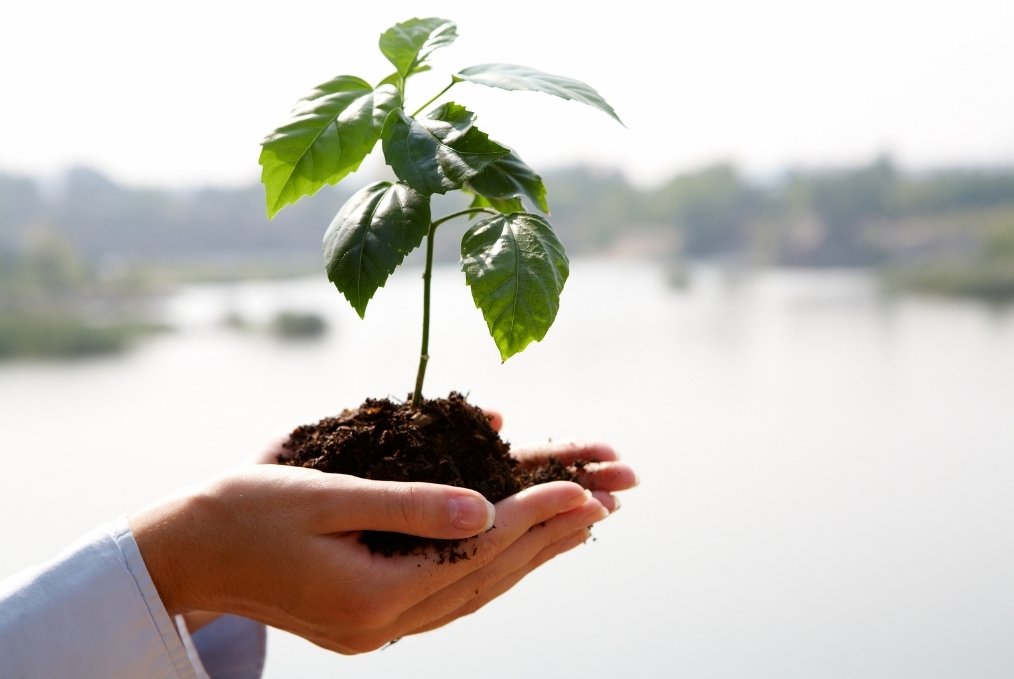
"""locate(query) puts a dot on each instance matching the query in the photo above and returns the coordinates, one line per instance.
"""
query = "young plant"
(513, 262)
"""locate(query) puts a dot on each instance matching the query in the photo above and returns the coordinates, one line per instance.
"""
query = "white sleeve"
(93, 612)
(229, 647)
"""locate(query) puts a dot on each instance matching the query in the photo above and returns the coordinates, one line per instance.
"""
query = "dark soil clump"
(444, 441)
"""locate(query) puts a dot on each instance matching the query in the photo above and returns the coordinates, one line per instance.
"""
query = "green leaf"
(438, 153)
(505, 206)
(330, 133)
(370, 237)
(513, 77)
(408, 44)
(395, 78)
(510, 178)
(516, 268)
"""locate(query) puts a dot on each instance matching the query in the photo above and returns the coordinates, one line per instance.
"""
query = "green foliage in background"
(52, 304)
(513, 260)
(90, 251)
(297, 325)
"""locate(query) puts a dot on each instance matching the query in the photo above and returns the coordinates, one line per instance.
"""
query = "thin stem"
(424, 351)
(462, 213)
(434, 98)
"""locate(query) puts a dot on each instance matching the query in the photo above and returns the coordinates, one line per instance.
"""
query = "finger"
(566, 452)
(495, 419)
(483, 597)
(411, 581)
(519, 513)
(607, 500)
(608, 476)
(431, 510)
(603, 471)
(527, 547)
(515, 517)
(516, 557)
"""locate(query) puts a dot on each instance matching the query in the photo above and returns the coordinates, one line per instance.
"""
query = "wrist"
(165, 538)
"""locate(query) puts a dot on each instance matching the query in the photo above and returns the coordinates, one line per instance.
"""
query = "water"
(826, 475)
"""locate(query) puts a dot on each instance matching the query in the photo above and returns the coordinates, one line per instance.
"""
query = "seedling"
(512, 259)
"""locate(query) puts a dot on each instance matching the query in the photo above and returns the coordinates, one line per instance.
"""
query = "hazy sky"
(183, 92)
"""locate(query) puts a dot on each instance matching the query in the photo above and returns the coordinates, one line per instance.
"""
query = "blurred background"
(789, 308)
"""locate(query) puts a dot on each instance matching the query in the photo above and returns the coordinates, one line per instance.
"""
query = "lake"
(827, 473)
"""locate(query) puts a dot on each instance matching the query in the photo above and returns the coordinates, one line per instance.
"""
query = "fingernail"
(616, 503)
(471, 513)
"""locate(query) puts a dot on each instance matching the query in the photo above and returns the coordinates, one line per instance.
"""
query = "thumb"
(425, 509)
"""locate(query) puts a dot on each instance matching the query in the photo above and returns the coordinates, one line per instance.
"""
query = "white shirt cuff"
(94, 612)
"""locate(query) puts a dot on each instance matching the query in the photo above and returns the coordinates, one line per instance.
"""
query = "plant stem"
(424, 355)
(462, 213)
(434, 98)
(424, 351)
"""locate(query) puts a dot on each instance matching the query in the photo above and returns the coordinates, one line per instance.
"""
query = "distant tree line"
(80, 256)
(854, 216)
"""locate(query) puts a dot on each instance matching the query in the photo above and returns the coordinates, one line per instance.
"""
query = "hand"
(280, 545)
(468, 591)
(603, 473)
(603, 476)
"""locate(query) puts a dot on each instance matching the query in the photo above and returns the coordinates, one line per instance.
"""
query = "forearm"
(91, 612)
(94, 612)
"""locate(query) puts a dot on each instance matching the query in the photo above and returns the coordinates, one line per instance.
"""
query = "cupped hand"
(281, 545)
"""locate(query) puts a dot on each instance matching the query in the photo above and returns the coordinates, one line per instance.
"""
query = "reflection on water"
(826, 473)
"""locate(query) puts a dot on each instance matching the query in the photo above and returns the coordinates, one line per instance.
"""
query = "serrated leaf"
(408, 44)
(514, 77)
(516, 268)
(331, 131)
(370, 236)
(438, 153)
(505, 206)
(508, 179)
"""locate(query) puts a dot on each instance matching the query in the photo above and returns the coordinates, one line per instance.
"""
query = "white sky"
(182, 92)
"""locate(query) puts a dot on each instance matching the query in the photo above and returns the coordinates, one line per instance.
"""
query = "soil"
(445, 440)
